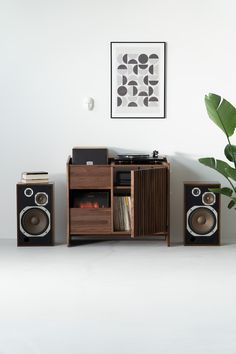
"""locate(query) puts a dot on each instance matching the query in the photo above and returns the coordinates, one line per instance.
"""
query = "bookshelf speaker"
(201, 214)
(35, 219)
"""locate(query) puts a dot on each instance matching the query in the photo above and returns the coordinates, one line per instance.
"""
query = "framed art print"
(138, 79)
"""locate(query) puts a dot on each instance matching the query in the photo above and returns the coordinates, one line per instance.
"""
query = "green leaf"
(215, 99)
(225, 191)
(231, 204)
(231, 172)
(218, 165)
(230, 152)
(221, 112)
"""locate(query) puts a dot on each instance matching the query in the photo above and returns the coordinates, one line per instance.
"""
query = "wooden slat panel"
(67, 202)
(90, 221)
(168, 205)
(149, 201)
(90, 177)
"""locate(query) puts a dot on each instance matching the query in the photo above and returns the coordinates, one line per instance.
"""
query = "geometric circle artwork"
(140, 72)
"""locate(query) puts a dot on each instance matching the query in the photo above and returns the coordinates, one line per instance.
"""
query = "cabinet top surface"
(128, 165)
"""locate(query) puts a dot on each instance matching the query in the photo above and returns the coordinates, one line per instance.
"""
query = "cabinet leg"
(168, 240)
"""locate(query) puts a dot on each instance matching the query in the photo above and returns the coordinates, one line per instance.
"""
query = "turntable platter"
(133, 156)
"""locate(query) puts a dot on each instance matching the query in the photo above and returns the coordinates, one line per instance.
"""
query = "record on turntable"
(133, 156)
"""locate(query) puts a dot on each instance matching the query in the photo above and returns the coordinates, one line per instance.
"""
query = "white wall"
(55, 52)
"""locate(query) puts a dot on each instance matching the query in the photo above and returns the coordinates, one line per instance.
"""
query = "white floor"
(117, 298)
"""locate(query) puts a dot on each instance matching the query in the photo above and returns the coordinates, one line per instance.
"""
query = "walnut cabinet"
(147, 193)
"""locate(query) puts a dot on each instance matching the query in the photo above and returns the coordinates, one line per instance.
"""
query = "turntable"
(144, 159)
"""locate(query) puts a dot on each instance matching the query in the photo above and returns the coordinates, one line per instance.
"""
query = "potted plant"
(223, 114)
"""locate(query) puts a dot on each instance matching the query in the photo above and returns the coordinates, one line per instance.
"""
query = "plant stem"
(234, 189)
(234, 161)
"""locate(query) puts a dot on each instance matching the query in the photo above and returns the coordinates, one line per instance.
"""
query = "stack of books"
(122, 213)
(34, 177)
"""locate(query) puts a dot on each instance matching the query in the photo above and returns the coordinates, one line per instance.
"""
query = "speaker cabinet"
(35, 217)
(201, 214)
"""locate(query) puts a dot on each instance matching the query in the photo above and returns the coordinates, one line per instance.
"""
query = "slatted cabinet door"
(149, 201)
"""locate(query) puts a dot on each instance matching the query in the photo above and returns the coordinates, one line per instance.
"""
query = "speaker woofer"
(202, 221)
(35, 221)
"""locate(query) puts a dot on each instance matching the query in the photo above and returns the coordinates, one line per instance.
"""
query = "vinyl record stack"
(122, 213)
(34, 177)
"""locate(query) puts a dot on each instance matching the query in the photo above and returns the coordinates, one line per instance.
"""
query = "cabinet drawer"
(90, 221)
(90, 177)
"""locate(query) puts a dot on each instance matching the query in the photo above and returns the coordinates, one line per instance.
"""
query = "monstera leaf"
(221, 112)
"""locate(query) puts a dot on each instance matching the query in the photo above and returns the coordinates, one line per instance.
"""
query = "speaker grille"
(35, 221)
(202, 221)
